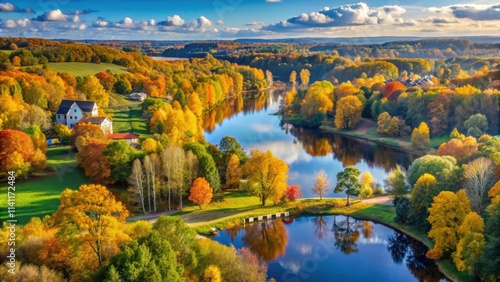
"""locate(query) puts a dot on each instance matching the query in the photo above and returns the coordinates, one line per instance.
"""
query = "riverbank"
(238, 205)
(367, 130)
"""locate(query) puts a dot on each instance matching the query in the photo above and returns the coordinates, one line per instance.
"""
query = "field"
(39, 196)
(127, 116)
(85, 69)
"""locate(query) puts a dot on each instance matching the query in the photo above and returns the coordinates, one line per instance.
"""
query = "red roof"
(123, 136)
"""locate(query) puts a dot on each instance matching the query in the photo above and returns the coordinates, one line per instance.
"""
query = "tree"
(445, 216)
(151, 258)
(173, 158)
(421, 199)
(476, 125)
(120, 155)
(420, 138)
(98, 218)
(456, 135)
(207, 166)
(293, 77)
(152, 165)
(304, 77)
(347, 181)
(63, 132)
(93, 161)
(136, 180)
(229, 145)
(444, 169)
(461, 149)
(348, 112)
(150, 145)
(16, 152)
(94, 91)
(368, 184)
(38, 138)
(201, 192)
(233, 172)
(84, 132)
(321, 183)
(266, 175)
(395, 184)
(292, 193)
(471, 244)
(479, 177)
(212, 274)
(318, 100)
(490, 262)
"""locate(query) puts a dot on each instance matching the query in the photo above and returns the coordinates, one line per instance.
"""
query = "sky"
(231, 19)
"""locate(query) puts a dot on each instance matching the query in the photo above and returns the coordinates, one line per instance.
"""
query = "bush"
(402, 210)
(378, 191)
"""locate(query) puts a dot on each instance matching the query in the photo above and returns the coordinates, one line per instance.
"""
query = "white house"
(103, 122)
(129, 137)
(138, 96)
(70, 112)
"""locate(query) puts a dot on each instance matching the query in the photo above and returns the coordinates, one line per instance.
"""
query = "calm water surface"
(252, 123)
(333, 248)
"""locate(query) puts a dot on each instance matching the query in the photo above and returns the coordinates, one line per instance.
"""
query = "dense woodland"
(87, 240)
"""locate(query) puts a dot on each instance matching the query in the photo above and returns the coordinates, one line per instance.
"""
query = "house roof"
(123, 136)
(93, 120)
(138, 94)
(65, 106)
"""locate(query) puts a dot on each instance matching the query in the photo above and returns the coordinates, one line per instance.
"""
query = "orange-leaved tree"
(201, 193)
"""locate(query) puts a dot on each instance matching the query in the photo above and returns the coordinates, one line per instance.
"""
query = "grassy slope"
(39, 196)
(127, 116)
(84, 69)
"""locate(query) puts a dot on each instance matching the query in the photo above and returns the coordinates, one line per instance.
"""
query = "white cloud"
(273, 1)
(174, 20)
(470, 11)
(7, 7)
(220, 22)
(54, 15)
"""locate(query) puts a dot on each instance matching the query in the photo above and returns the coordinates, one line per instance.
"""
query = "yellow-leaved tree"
(233, 172)
(471, 244)
(348, 112)
(92, 216)
(266, 175)
(420, 137)
(445, 216)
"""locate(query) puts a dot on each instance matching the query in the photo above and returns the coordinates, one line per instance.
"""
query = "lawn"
(39, 196)
(129, 119)
(85, 69)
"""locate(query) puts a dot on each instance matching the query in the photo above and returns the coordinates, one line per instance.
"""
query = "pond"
(253, 123)
(333, 248)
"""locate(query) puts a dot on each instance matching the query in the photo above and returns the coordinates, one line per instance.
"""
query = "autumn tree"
(201, 193)
(304, 77)
(460, 149)
(212, 274)
(471, 244)
(348, 182)
(292, 193)
(97, 217)
(16, 152)
(479, 177)
(368, 184)
(266, 175)
(348, 112)
(93, 161)
(318, 100)
(446, 214)
(233, 173)
(420, 137)
(173, 159)
(38, 138)
(120, 155)
(321, 183)
(84, 132)
(293, 77)
(94, 91)
(422, 194)
(229, 145)
(392, 126)
(63, 132)
(455, 134)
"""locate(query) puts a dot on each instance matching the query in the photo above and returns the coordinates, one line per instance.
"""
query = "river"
(252, 123)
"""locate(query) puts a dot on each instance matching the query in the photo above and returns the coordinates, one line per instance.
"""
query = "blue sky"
(226, 19)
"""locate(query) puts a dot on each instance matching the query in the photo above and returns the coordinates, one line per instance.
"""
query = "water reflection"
(266, 239)
(306, 151)
(326, 248)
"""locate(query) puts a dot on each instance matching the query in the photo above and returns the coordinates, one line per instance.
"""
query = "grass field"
(39, 196)
(128, 118)
(84, 69)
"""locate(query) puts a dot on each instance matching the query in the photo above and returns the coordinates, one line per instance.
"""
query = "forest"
(411, 91)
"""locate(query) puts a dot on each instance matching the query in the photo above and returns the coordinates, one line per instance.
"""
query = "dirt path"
(383, 200)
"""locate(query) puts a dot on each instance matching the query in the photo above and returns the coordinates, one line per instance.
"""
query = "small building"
(103, 122)
(129, 137)
(70, 112)
(138, 96)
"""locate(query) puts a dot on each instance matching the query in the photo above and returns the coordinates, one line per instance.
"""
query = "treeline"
(87, 239)
(455, 198)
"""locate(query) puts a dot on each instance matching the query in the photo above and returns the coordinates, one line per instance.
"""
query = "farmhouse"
(103, 122)
(138, 96)
(129, 137)
(70, 112)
